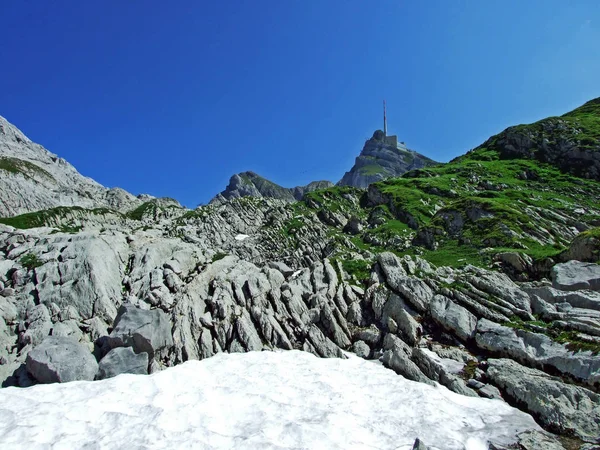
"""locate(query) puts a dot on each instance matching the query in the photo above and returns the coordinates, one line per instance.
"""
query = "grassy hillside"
(489, 201)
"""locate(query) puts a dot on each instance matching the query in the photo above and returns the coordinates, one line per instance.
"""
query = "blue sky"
(172, 98)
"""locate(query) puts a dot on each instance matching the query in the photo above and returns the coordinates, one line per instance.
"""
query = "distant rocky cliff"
(250, 184)
(380, 160)
(32, 178)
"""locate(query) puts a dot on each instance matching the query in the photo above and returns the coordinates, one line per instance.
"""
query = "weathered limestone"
(574, 275)
(453, 317)
(397, 357)
(122, 360)
(61, 359)
(537, 350)
(145, 331)
(561, 407)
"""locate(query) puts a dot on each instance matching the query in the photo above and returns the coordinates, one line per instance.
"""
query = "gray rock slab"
(397, 357)
(453, 317)
(360, 348)
(144, 330)
(59, 359)
(575, 275)
(122, 360)
(537, 350)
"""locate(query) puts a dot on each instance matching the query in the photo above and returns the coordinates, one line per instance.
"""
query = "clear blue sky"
(172, 98)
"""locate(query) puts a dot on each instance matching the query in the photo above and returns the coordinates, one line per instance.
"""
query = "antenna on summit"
(384, 120)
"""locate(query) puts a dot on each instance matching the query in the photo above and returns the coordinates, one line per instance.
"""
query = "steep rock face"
(32, 179)
(250, 184)
(380, 160)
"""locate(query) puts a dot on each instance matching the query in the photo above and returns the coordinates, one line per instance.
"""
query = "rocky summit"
(382, 158)
(480, 275)
(250, 184)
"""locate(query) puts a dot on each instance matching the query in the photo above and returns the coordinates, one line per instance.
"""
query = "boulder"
(575, 275)
(144, 330)
(443, 371)
(370, 335)
(519, 262)
(360, 348)
(38, 325)
(59, 359)
(396, 310)
(453, 317)
(122, 360)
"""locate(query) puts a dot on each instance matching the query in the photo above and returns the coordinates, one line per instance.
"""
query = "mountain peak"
(383, 157)
(251, 184)
(34, 179)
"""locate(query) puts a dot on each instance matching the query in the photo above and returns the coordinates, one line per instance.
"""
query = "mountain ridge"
(250, 184)
(35, 179)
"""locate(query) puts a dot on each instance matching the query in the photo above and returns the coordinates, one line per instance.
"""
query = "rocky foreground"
(104, 301)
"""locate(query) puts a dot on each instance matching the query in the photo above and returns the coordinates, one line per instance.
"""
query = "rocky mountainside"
(480, 275)
(380, 160)
(33, 179)
(250, 184)
(569, 142)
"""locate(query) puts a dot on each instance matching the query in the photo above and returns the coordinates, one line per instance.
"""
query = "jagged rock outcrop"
(197, 303)
(380, 160)
(144, 331)
(33, 179)
(250, 184)
(563, 408)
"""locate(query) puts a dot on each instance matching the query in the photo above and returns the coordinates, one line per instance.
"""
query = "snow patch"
(256, 400)
(241, 237)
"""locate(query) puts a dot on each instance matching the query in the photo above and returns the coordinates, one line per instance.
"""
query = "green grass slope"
(530, 189)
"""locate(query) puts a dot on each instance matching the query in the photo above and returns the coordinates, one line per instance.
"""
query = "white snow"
(241, 237)
(256, 400)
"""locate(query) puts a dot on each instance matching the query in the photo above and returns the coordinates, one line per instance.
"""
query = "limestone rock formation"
(561, 407)
(380, 160)
(161, 285)
(33, 179)
(145, 331)
(575, 275)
